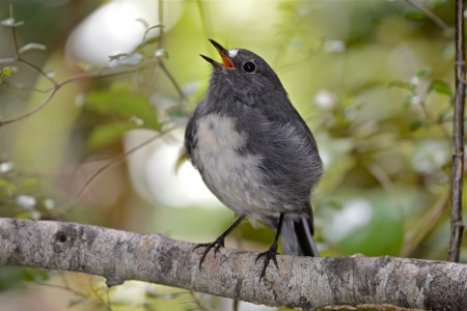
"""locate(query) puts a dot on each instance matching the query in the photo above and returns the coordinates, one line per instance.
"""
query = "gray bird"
(255, 152)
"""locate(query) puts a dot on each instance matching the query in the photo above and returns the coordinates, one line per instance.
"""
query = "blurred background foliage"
(373, 79)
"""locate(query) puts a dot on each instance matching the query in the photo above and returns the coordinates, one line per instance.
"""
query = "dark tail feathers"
(297, 237)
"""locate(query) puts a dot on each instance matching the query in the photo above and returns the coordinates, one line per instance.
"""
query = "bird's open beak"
(226, 60)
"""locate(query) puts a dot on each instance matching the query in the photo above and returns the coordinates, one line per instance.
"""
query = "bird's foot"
(217, 244)
(268, 255)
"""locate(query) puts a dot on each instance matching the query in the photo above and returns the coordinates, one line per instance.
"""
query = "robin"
(255, 152)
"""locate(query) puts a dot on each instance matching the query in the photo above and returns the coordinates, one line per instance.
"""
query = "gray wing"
(190, 138)
(290, 156)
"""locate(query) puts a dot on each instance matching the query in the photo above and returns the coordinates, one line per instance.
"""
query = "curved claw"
(217, 244)
(268, 255)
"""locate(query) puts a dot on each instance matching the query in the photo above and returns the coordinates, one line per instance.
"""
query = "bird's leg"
(272, 251)
(219, 242)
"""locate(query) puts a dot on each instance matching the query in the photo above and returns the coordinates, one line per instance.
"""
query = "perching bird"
(255, 152)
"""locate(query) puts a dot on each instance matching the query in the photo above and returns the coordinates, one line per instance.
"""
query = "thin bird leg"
(272, 251)
(219, 242)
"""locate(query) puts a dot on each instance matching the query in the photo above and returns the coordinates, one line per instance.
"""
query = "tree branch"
(457, 227)
(301, 281)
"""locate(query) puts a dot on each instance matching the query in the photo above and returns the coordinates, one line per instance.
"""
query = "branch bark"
(457, 226)
(300, 282)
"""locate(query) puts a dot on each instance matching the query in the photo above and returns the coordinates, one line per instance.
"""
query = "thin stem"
(13, 29)
(35, 110)
(457, 226)
(429, 14)
(110, 163)
(172, 79)
(56, 85)
(37, 69)
(161, 63)
(18, 56)
(429, 116)
(236, 305)
(427, 223)
(161, 22)
(103, 73)
(198, 302)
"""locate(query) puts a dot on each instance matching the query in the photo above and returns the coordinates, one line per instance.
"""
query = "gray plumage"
(253, 150)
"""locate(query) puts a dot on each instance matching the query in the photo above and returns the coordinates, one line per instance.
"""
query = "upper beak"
(226, 60)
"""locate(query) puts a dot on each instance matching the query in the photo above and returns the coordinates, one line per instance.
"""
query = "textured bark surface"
(300, 281)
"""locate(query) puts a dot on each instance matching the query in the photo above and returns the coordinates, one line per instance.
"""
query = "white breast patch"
(215, 132)
(234, 177)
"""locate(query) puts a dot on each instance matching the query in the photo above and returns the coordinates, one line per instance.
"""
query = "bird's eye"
(249, 67)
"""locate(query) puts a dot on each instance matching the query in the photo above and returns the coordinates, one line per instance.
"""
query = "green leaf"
(29, 182)
(423, 73)
(440, 87)
(439, 4)
(34, 275)
(7, 188)
(10, 277)
(7, 71)
(125, 104)
(415, 125)
(416, 16)
(107, 134)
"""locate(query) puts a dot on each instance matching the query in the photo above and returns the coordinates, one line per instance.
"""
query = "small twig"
(172, 80)
(424, 226)
(65, 288)
(20, 86)
(198, 302)
(37, 69)
(161, 63)
(381, 176)
(16, 47)
(56, 85)
(100, 300)
(106, 73)
(110, 163)
(236, 305)
(429, 116)
(102, 73)
(13, 29)
(432, 16)
(35, 110)
(83, 296)
(161, 22)
(457, 226)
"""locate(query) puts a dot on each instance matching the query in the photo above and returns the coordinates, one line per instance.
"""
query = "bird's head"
(242, 72)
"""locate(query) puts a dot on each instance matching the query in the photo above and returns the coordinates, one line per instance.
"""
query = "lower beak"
(210, 60)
